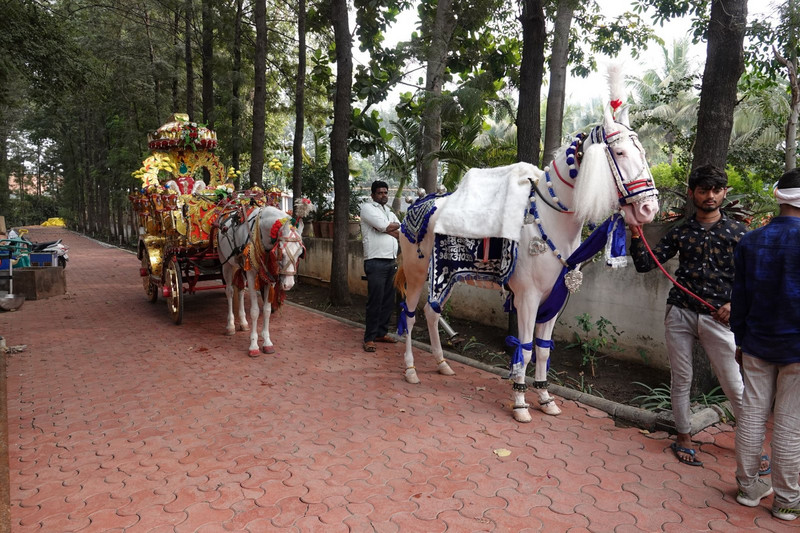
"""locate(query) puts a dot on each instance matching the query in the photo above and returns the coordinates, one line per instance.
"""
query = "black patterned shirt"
(705, 261)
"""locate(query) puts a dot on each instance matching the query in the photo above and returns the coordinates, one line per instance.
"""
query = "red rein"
(681, 287)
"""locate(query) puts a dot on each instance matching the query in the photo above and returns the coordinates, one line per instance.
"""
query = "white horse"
(597, 174)
(259, 250)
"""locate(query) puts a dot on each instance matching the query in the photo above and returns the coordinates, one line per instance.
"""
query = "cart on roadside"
(177, 212)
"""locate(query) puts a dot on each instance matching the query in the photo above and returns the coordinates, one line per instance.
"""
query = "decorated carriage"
(185, 190)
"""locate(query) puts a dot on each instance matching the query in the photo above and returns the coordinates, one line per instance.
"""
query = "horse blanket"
(489, 202)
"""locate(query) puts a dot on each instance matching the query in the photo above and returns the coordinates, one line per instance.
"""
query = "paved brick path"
(118, 420)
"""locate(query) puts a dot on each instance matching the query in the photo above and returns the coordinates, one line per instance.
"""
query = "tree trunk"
(443, 26)
(4, 131)
(236, 104)
(208, 65)
(176, 66)
(340, 291)
(259, 94)
(152, 52)
(790, 161)
(187, 40)
(724, 67)
(559, 60)
(531, 72)
(718, 99)
(299, 103)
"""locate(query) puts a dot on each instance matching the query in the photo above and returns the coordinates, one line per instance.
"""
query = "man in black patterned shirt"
(704, 244)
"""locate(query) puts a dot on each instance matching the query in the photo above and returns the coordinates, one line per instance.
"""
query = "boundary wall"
(634, 303)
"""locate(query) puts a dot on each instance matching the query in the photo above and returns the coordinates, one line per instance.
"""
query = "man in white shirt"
(379, 231)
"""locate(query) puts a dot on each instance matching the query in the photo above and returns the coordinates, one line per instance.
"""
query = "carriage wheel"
(175, 284)
(150, 288)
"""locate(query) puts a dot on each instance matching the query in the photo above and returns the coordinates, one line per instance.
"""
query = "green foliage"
(593, 345)
(357, 190)
(655, 398)
(582, 385)
(667, 176)
(659, 398)
(317, 186)
(31, 210)
(472, 344)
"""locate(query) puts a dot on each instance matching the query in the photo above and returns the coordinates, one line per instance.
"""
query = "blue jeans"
(380, 296)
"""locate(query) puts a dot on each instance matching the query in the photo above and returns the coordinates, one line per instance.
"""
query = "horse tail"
(400, 281)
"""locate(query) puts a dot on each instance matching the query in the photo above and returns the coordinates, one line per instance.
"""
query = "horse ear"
(623, 117)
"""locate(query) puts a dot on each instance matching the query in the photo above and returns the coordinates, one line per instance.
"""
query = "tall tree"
(176, 61)
(529, 131)
(773, 51)
(299, 103)
(791, 124)
(559, 60)
(236, 81)
(340, 291)
(208, 64)
(153, 69)
(724, 67)
(441, 30)
(187, 45)
(259, 94)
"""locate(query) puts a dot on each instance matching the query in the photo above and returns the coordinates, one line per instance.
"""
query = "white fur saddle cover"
(489, 202)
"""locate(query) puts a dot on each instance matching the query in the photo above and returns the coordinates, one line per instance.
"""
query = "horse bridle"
(642, 186)
(280, 249)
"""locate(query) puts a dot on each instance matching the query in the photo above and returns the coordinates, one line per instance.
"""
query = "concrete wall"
(633, 302)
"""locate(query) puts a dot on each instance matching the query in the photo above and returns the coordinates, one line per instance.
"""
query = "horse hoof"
(445, 370)
(230, 332)
(254, 353)
(550, 408)
(268, 349)
(411, 377)
(242, 328)
(522, 415)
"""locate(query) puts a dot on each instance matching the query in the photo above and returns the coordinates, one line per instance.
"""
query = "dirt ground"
(613, 378)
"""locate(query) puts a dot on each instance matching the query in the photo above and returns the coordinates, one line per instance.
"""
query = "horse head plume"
(302, 208)
(616, 87)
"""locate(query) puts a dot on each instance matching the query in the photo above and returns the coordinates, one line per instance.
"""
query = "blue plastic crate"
(43, 259)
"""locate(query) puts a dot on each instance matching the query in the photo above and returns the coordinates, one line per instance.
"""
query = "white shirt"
(375, 218)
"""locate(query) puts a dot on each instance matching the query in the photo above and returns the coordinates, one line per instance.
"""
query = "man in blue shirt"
(765, 319)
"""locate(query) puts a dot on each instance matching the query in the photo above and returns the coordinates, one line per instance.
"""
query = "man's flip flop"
(369, 346)
(767, 471)
(677, 450)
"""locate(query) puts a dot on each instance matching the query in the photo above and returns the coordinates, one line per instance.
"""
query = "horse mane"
(595, 190)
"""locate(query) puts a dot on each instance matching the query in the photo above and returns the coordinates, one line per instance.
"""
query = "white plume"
(616, 80)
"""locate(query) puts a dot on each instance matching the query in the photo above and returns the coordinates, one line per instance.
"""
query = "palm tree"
(666, 102)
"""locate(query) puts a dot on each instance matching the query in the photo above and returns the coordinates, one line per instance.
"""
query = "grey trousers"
(683, 327)
(763, 382)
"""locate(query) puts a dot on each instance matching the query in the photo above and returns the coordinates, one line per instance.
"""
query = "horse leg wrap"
(542, 385)
(520, 387)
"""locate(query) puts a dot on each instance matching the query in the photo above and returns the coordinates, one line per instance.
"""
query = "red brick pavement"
(118, 420)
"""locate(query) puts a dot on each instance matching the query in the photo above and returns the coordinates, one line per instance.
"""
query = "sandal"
(369, 346)
(386, 338)
(677, 450)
